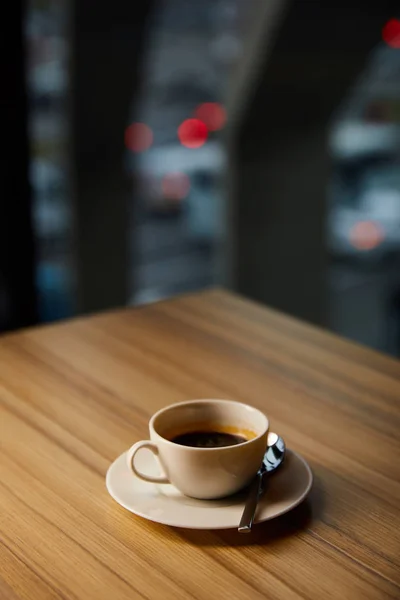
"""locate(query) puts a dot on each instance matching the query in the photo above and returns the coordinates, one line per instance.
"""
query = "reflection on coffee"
(209, 439)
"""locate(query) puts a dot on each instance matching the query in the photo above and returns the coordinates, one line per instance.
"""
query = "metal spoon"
(273, 458)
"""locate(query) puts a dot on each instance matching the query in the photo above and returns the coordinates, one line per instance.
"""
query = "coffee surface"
(208, 439)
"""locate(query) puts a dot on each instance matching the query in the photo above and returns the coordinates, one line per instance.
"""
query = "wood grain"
(75, 395)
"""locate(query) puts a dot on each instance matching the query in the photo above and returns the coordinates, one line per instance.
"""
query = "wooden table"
(75, 395)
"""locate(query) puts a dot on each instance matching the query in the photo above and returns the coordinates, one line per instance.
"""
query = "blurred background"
(161, 149)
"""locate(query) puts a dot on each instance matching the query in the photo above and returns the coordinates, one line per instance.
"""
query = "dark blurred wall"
(108, 40)
(17, 288)
(279, 161)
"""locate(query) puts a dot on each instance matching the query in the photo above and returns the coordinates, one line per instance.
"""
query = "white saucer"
(163, 503)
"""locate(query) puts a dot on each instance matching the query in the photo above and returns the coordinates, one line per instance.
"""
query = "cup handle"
(130, 457)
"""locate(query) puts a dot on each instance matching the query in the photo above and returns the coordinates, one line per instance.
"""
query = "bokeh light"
(366, 235)
(138, 137)
(391, 33)
(175, 186)
(192, 133)
(212, 114)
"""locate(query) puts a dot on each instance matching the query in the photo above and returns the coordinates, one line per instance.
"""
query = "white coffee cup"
(205, 473)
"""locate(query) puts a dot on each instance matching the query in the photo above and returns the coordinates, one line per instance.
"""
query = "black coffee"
(208, 439)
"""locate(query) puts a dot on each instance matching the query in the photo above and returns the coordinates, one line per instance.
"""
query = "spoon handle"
(246, 522)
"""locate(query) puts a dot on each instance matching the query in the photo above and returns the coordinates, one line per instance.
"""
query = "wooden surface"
(75, 395)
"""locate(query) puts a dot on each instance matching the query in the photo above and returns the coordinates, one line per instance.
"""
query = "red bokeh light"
(391, 33)
(192, 133)
(138, 137)
(212, 114)
(175, 186)
(366, 235)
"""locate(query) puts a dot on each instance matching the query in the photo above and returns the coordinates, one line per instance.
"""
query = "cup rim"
(204, 401)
